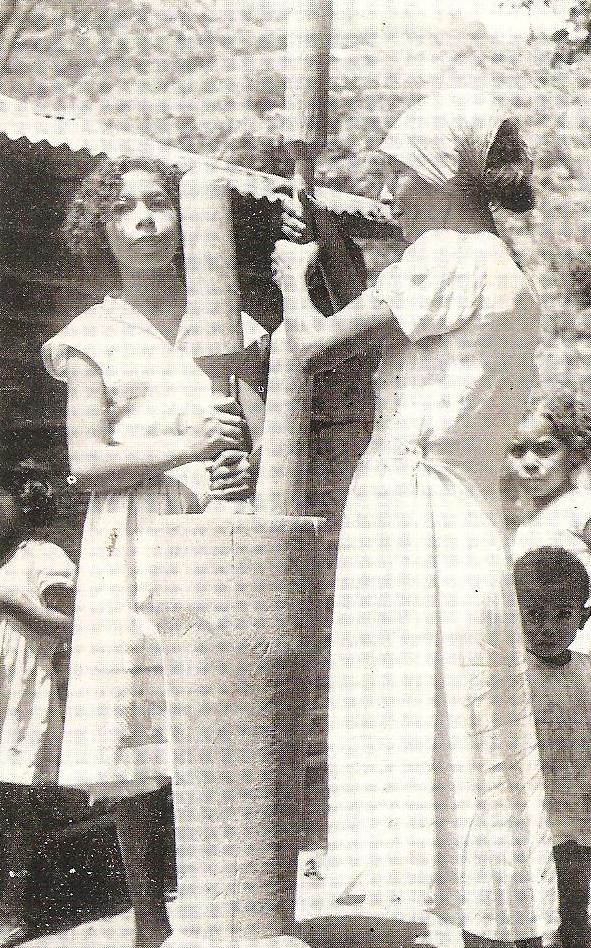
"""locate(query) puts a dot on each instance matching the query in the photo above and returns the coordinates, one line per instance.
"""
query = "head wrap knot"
(446, 137)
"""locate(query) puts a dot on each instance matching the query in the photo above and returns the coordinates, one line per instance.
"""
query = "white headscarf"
(446, 137)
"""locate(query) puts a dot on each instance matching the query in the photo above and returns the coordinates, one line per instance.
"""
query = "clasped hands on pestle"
(223, 442)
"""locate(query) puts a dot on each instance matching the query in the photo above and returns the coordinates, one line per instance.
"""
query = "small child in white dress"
(553, 590)
(34, 576)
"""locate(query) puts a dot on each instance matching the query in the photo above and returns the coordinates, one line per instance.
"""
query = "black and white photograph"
(295, 474)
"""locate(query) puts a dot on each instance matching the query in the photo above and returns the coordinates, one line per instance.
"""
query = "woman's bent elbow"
(92, 473)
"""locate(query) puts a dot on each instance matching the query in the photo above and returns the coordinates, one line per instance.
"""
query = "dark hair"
(568, 415)
(91, 207)
(508, 172)
(32, 493)
(550, 565)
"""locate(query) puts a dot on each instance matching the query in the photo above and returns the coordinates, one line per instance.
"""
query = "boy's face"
(551, 616)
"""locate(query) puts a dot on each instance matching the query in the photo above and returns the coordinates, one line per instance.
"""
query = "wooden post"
(234, 598)
(283, 477)
(213, 325)
(282, 487)
(306, 95)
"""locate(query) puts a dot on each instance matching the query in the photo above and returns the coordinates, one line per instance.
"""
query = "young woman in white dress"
(436, 798)
(137, 406)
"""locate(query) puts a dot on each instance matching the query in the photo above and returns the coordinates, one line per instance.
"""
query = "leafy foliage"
(526, 4)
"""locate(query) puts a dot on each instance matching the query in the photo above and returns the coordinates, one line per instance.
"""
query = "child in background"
(550, 446)
(34, 576)
(553, 591)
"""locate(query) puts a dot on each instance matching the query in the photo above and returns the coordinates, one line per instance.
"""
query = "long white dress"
(115, 733)
(436, 799)
(30, 707)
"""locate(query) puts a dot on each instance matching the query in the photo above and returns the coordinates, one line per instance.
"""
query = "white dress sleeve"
(53, 567)
(87, 334)
(561, 523)
(436, 287)
(578, 509)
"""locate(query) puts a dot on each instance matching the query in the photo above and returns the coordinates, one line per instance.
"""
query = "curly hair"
(569, 416)
(548, 566)
(91, 207)
(32, 493)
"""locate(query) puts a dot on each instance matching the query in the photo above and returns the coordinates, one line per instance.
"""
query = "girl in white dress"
(137, 406)
(33, 575)
(436, 798)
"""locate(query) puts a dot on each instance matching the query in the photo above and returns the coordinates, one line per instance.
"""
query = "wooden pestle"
(308, 71)
(306, 95)
(212, 329)
(283, 479)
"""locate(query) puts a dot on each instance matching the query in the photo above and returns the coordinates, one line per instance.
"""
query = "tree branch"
(13, 17)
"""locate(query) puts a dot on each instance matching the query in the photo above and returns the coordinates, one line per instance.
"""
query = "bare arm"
(105, 467)
(319, 342)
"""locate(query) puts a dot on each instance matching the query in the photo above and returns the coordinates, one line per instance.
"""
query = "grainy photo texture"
(295, 508)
